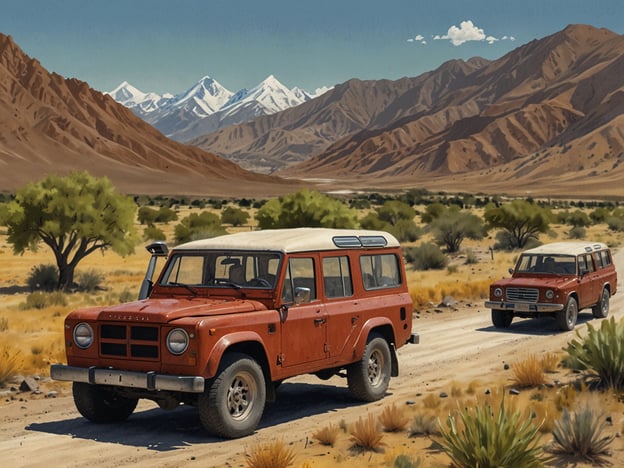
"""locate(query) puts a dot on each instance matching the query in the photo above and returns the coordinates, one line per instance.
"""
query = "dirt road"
(456, 346)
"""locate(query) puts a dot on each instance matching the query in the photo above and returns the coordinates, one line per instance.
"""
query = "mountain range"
(208, 106)
(547, 118)
(52, 124)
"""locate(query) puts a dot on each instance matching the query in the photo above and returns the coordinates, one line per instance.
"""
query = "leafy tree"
(306, 209)
(392, 211)
(520, 220)
(147, 215)
(452, 226)
(166, 215)
(74, 216)
(234, 216)
(154, 234)
(600, 215)
(396, 217)
(432, 212)
(196, 226)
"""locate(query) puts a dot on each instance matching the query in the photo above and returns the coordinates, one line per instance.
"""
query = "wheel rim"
(571, 315)
(241, 395)
(605, 303)
(375, 368)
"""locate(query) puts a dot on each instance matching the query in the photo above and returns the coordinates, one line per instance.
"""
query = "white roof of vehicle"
(567, 248)
(295, 240)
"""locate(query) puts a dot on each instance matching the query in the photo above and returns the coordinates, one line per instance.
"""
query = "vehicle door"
(304, 324)
(589, 283)
(343, 309)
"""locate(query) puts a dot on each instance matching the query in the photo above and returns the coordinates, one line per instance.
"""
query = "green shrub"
(601, 352)
(577, 232)
(90, 280)
(487, 438)
(426, 256)
(43, 278)
(154, 234)
(127, 296)
(41, 300)
(580, 434)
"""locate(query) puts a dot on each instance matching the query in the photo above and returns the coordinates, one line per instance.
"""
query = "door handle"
(319, 321)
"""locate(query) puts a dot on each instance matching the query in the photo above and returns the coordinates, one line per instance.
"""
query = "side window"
(606, 258)
(599, 260)
(299, 273)
(380, 271)
(337, 277)
(590, 263)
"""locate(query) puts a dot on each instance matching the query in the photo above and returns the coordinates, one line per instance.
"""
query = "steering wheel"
(259, 282)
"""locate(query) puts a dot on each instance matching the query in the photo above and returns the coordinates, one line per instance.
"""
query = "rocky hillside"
(52, 124)
(549, 109)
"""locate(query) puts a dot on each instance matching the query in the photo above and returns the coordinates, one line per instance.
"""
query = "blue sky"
(167, 45)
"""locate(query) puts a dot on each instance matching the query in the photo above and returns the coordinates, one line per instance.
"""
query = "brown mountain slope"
(549, 107)
(52, 124)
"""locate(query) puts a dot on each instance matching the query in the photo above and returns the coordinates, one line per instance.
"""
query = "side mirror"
(302, 295)
(511, 270)
(157, 249)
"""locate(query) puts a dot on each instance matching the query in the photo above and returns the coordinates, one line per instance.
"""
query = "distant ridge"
(52, 124)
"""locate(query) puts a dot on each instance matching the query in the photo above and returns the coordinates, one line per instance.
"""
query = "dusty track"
(455, 346)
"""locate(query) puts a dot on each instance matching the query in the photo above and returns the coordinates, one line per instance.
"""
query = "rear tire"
(566, 318)
(233, 403)
(501, 318)
(101, 405)
(601, 310)
(368, 379)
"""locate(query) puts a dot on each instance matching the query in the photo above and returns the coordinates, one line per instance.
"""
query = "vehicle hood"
(166, 310)
(535, 282)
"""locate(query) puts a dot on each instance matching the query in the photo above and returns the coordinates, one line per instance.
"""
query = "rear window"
(380, 271)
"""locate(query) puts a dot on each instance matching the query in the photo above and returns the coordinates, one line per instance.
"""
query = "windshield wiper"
(184, 285)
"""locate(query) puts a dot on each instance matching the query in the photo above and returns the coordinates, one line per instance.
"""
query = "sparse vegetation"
(491, 437)
(365, 435)
(43, 278)
(274, 454)
(393, 418)
(426, 256)
(529, 372)
(10, 361)
(327, 435)
(580, 434)
(41, 300)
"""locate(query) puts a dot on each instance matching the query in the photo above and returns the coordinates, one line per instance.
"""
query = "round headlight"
(498, 292)
(550, 294)
(177, 341)
(83, 335)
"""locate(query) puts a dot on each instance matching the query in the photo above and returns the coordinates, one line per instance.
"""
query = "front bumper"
(118, 378)
(523, 307)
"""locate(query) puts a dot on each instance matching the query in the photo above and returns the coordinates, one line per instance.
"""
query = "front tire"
(601, 310)
(100, 405)
(566, 318)
(233, 403)
(368, 379)
(501, 318)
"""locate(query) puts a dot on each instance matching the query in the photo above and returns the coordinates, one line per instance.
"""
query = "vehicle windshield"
(554, 264)
(222, 269)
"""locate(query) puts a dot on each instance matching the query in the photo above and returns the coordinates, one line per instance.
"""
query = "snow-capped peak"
(133, 97)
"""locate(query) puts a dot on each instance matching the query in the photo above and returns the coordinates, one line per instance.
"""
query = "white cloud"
(418, 38)
(490, 39)
(467, 31)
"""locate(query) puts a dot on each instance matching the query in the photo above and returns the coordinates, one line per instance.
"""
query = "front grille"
(130, 341)
(522, 294)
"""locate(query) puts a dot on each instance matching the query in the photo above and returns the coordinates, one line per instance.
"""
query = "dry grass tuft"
(393, 418)
(431, 401)
(529, 372)
(10, 363)
(424, 423)
(327, 435)
(550, 362)
(366, 435)
(274, 454)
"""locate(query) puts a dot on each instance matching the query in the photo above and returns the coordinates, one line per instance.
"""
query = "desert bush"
(43, 278)
(580, 434)
(127, 295)
(405, 230)
(528, 372)
(471, 258)
(10, 362)
(90, 280)
(365, 435)
(272, 454)
(601, 353)
(565, 397)
(405, 461)
(545, 413)
(577, 232)
(423, 423)
(327, 435)
(550, 361)
(431, 401)
(491, 437)
(154, 234)
(393, 418)
(41, 300)
(426, 256)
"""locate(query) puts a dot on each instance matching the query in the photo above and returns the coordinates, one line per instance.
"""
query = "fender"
(224, 343)
(374, 322)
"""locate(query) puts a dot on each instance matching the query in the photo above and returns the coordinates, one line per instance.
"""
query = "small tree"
(74, 216)
(452, 226)
(306, 209)
(234, 216)
(195, 226)
(521, 220)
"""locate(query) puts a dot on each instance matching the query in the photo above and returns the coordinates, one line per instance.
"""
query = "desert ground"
(459, 349)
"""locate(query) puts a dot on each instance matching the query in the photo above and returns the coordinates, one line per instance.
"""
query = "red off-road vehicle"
(230, 318)
(557, 280)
